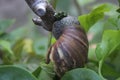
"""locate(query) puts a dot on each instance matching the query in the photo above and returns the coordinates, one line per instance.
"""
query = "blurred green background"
(24, 44)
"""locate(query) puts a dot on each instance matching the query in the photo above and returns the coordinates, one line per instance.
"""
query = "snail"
(70, 50)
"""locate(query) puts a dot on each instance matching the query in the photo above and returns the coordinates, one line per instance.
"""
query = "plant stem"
(49, 39)
(78, 7)
(53, 2)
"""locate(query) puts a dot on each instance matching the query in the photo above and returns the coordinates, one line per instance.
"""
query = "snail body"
(71, 48)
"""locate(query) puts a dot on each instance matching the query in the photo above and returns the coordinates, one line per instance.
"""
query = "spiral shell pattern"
(70, 50)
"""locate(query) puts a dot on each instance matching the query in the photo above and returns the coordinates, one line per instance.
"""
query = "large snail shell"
(70, 50)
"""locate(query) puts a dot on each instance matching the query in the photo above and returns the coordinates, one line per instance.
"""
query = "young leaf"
(15, 73)
(110, 42)
(81, 74)
(88, 20)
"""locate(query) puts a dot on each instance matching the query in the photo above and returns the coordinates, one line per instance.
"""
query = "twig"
(44, 10)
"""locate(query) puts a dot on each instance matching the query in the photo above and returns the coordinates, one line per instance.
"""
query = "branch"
(44, 10)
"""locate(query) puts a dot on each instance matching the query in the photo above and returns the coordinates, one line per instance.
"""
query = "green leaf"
(8, 55)
(15, 73)
(44, 76)
(4, 24)
(110, 42)
(47, 72)
(37, 71)
(88, 20)
(113, 62)
(18, 48)
(96, 32)
(109, 71)
(81, 74)
(112, 23)
(5, 45)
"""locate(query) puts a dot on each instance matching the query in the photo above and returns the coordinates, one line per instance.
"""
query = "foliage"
(81, 74)
(15, 73)
(23, 50)
(90, 19)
